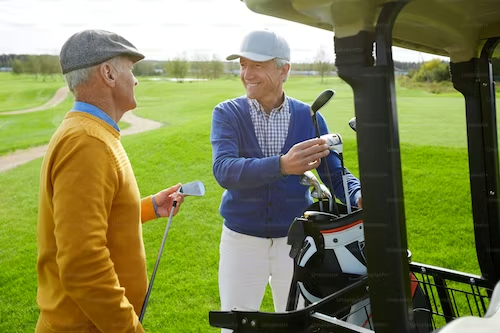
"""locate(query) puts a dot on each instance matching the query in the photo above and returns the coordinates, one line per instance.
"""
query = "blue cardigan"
(258, 200)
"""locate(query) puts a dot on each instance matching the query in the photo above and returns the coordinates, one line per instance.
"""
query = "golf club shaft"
(320, 195)
(145, 304)
(344, 182)
(323, 160)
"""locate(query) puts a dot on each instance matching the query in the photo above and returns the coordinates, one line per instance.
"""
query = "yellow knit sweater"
(91, 261)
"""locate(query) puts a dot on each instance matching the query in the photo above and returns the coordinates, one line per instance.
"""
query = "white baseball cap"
(262, 45)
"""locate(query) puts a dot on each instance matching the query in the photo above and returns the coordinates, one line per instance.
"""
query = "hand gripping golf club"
(335, 144)
(309, 179)
(195, 188)
(318, 103)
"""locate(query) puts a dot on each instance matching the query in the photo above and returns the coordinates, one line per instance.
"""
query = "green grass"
(16, 90)
(21, 131)
(435, 177)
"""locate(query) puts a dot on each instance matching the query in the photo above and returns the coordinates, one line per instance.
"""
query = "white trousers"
(247, 264)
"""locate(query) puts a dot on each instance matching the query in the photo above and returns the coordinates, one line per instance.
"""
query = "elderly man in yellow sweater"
(91, 261)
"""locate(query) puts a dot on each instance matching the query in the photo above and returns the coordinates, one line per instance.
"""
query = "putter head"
(334, 142)
(352, 124)
(321, 100)
(196, 189)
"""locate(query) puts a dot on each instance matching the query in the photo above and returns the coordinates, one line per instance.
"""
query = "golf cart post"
(466, 31)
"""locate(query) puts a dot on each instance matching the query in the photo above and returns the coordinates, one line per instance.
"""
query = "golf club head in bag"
(352, 124)
(309, 179)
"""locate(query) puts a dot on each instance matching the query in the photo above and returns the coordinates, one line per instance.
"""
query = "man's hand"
(165, 198)
(303, 156)
(359, 202)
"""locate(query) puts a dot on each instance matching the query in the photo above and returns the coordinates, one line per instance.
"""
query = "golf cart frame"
(466, 31)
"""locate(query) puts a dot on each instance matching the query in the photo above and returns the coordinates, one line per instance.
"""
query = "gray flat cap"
(88, 48)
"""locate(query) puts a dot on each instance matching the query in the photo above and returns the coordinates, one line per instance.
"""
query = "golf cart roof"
(454, 28)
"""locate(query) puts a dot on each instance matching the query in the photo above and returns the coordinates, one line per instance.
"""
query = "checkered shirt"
(271, 130)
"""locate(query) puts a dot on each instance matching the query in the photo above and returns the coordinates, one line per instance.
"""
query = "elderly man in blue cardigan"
(261, 144)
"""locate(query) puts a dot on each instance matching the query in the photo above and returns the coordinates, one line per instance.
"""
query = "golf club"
(352, 124)
(318, 103)
(326, 195)
(321, 100)
(309, 179)
(335, 144)
(195, 188)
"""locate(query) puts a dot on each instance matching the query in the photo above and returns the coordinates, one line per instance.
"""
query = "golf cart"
(468, 32)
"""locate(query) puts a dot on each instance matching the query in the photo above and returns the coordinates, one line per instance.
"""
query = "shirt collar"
(259, 107)
(95, 111)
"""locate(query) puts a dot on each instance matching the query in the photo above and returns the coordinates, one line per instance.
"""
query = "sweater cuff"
(279, 166)
(147, 209)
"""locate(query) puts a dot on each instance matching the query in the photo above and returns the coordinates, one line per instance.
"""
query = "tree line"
(204, 67)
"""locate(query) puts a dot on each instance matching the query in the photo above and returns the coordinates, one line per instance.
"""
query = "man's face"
(262, 80)
(125, 84)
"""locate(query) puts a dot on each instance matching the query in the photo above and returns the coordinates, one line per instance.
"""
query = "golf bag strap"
(338, 280)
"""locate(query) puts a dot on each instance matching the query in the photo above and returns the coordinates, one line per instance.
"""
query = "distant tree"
(406, 66)
(7, 59)
(216, 67)
(441, 73)
(33, 66)
(323, 63)
(37, 65)
(145, 68)
(48, 65)
(17, 66)
(304, 67)
(433, 70)
(232, 67)
(178, 67)
(200, 66)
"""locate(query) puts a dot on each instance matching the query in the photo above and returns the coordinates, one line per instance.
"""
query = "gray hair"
(78, 76)
(280, 63)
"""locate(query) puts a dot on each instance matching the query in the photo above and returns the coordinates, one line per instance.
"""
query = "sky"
(161, 29)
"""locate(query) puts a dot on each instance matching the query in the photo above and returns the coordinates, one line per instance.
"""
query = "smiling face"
(263, 81)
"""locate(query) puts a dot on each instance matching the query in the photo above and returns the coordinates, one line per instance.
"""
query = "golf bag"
(328, 253)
